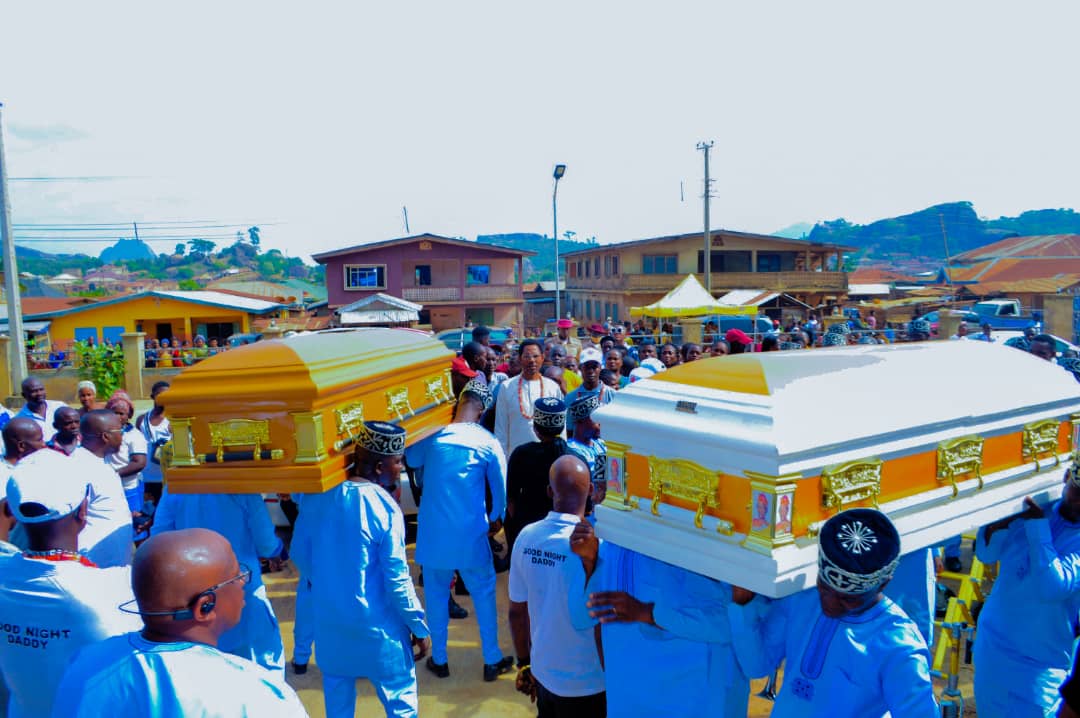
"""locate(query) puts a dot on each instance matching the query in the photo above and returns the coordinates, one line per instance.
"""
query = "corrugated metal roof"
(1050, 245)
(868, 289)
(747, 297)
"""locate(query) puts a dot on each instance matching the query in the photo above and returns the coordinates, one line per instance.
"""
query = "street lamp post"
(560, 170)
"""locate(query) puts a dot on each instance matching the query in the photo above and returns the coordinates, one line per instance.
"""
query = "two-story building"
(458, 282)
(607, 280)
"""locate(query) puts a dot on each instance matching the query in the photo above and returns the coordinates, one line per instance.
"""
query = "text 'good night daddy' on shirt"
(542, 570)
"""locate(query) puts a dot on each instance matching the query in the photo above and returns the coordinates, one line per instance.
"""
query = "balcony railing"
(473, 293)
(431, 294)
(770, 281)
(491, 292)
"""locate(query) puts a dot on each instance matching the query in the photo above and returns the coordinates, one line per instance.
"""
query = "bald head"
(22, 437)
(95, 427)
(569, 484)
(173, 570)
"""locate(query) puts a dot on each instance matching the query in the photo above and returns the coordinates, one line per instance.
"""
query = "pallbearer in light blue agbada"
(245, 522)
(459, 463)
(850, 652)
(188, 589)
(349, 543)
(677, 659)
(1027, 628)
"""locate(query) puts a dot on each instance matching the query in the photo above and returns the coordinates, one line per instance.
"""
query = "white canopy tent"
(379, 309)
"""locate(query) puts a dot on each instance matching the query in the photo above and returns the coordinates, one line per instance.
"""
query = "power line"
(114, 238)
(83, 178)
(179, 224)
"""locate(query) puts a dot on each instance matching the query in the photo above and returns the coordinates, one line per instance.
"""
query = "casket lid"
(782, 404)
(307, 365)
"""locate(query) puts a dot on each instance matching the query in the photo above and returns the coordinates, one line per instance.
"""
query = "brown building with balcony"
(606, 281)
(455, 280)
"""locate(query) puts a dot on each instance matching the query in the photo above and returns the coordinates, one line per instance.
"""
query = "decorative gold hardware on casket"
(1041, 437)
(1074, 435)
(772, 511)
(725, 527)
(397, 402)
(241, 432)
(310, 447)
(183, 451)
(437, 388)
(850, 482)
(348, 418)
(812, 530)
(960, 456)
(685, 480)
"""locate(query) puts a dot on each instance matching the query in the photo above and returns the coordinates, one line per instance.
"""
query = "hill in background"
(127, 249)
(923, 234)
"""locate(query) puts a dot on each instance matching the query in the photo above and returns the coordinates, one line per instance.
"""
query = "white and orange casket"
(283, 415)
(728, 467)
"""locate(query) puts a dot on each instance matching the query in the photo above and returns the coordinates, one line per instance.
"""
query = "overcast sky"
(327, 121)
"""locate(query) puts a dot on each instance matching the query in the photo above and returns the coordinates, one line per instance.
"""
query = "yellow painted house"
(173, 315)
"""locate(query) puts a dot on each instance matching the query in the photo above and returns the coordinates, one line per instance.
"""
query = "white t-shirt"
(155, 437)
(46, 422)
(108, 537)
(564, 660)
(133, 443)
(48, 611)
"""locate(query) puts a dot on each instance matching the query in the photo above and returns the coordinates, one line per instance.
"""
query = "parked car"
(240, 339)
(1006, 314)
(971, 319)
(457, 338)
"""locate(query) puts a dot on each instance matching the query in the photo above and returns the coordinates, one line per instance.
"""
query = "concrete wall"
(1058, 316)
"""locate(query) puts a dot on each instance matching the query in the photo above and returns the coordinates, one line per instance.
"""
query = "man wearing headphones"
(189, 590)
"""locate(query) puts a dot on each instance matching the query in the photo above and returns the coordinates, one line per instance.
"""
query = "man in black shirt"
(527, 499)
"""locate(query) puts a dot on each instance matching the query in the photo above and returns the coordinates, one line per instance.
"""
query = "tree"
(201, 247)
(253, 235)
(180, 249)
(188, 285)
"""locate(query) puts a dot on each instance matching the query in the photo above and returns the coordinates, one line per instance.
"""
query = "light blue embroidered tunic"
(687, 667)
(1023, 651)
(852, 667)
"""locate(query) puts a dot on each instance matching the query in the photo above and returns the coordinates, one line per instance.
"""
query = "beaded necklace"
(59, 555)
(522, 381)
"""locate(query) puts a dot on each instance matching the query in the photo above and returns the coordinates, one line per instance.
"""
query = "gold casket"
(282, 415)
(728, 467)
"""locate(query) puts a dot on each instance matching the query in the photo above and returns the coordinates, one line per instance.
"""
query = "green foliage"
(189, 285)
(96, 292)
(180, 249)
(542, 266)
(201, 247)
(102, 365)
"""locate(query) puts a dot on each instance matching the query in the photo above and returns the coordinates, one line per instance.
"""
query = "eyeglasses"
(187, 614)
(244, 577)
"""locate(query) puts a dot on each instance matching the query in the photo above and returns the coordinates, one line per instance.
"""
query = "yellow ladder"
(974, 586)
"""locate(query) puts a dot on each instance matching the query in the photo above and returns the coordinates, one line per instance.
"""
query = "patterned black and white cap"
(478, 390)
(834, 339)
(380, 437)
(789, 346)
(584, 406)
(839, 328)
(858, 551)
(867, 339)
(920, 326)
(549, 413)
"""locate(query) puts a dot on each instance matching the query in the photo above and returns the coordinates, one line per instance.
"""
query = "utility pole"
(405, 213)
(136, 226)
(17, 347)
(707, 196)
(948, 258)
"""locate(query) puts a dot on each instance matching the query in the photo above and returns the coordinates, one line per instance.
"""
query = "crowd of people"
(111, 606)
